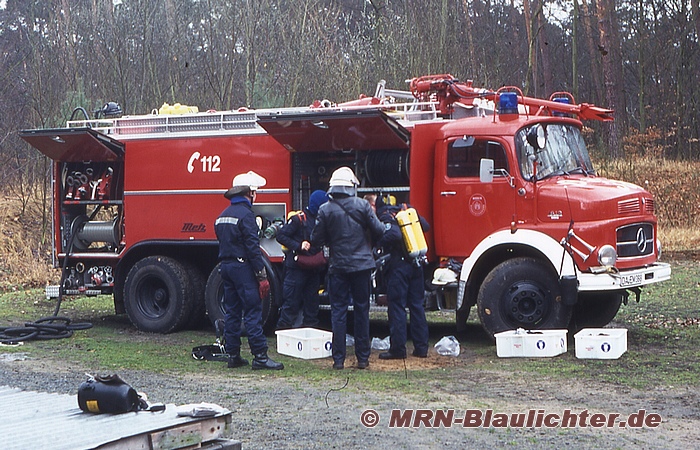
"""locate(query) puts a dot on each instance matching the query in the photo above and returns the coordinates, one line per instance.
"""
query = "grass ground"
(663, 337)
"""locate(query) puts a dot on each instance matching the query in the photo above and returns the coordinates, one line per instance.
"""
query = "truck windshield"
(564, 153)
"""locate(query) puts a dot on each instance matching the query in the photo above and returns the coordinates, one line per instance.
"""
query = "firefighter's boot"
(262, 361)
(235, 360)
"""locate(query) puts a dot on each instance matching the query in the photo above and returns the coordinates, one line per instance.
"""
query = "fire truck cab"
(521, 226)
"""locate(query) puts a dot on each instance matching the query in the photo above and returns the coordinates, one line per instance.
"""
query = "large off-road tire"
(198, 283)
(214, 298)
(157, 295)
(521, 293)
(595, 309)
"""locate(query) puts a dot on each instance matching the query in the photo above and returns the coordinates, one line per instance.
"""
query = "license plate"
(631, 280)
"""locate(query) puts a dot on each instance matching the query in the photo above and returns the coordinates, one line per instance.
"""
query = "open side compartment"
(88, 204)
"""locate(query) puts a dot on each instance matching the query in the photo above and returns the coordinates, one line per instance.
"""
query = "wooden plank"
(138, 442)
(215, 427)
(177, 437)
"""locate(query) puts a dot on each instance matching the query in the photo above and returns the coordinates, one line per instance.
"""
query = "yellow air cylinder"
(165, 109)
(177, 108)
(412, 232)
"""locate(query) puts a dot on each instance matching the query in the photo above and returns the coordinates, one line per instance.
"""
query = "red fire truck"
(521, 226)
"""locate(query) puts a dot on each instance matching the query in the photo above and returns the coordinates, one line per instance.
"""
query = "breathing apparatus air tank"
(412, 232)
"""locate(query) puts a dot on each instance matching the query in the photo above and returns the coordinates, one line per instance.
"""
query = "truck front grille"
(635, 240)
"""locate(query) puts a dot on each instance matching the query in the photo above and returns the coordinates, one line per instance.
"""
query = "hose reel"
(87, 232)
(387, 168)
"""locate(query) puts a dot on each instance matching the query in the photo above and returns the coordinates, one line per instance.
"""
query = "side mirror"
(486, 170)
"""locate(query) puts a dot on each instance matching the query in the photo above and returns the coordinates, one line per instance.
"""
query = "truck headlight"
(658, 248)
(607, 256)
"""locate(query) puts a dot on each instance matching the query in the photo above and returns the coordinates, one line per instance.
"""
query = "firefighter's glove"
(263, 288)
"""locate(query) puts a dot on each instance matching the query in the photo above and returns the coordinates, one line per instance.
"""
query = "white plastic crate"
(304, 343)
(535, 343)
(601, 343)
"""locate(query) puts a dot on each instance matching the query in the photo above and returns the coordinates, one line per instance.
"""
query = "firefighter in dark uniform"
(405, 287)
(300, 287)
(243, 272)
(347, 225)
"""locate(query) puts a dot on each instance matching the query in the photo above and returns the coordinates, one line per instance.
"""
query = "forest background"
(640, 58)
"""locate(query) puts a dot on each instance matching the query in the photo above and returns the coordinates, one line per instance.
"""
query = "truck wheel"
(214, 298)
(156, 295)
(198, 284)
(521, 293)
(595, 309)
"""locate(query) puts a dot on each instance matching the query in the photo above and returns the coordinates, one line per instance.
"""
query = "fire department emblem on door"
(477, 205)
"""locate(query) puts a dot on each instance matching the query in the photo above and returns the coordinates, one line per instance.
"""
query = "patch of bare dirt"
(271, 410)
(433, 361)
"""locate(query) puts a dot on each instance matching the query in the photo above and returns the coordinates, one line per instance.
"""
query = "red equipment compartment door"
(465, 210)
(335, 130)
(74, 144)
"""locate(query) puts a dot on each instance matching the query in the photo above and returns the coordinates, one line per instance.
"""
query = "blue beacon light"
(508, 103)
(563, 100)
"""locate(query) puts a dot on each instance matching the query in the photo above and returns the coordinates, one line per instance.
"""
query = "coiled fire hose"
(46, 328)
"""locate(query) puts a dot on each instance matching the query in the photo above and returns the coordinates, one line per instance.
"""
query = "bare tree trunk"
(250, 52)
(294, 88)
(443, 50)
(574, 49)
(531, 62)
(66, 29)
(543, 41)
(470, 36)
(592, 53)
(612, 73)
(641, 32)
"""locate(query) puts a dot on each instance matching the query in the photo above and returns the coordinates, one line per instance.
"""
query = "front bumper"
(612, 281)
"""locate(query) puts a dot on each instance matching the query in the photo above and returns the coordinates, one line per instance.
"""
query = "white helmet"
(343, 176)
(443, 276)
(244, 182)
(343, 181)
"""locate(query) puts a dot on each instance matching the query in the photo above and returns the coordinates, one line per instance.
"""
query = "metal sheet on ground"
(54, 421)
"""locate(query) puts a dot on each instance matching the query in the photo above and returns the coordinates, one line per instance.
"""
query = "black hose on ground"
(51, 327)
(46, 328)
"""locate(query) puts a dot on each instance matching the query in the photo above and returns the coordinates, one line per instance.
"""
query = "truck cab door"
(465, 209)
